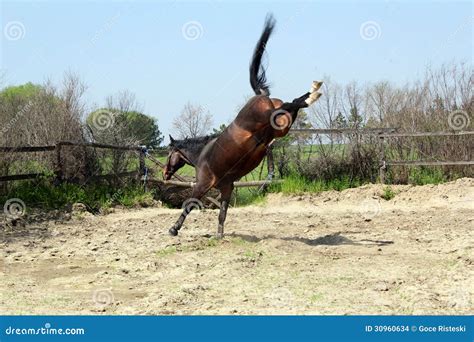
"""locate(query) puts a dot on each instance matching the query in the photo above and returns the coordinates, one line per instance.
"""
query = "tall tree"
(193, 122)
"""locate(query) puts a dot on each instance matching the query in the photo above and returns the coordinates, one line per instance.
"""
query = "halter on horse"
(186, 151)
(243, 144)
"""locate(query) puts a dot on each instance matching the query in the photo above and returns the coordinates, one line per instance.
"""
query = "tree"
(39, 115)
(110, 125)
(219, 129)
(144, 128)
(122, 122)
(355, 119)
(340, 121)
(193, 122)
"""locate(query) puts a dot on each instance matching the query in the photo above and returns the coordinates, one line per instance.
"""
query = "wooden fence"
(385, 163)
(387, 133)
(140, 172)
(59, 164)
(382, 133)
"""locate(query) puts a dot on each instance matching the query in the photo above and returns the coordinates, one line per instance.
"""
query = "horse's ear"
(171, 140)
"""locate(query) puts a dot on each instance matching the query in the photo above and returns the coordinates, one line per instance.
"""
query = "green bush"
(45, 195)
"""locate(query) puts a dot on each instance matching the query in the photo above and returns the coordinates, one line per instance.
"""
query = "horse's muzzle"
(167, 175)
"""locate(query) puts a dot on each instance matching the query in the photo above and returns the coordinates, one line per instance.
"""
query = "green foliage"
(422, 176)
(126, 126)
(168, 250)
(247, 196)
(142, 127)
(24, 91)
(43, 194)
(220, 129)
(340, 121)
(295, 184)
(355, 119)
(388, 193)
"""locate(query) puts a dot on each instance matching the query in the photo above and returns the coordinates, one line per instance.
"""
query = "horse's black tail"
(258, 79)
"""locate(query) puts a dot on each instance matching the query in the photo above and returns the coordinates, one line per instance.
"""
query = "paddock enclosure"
(348, 252)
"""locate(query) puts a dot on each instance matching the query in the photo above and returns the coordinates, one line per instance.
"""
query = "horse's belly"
(246, 163)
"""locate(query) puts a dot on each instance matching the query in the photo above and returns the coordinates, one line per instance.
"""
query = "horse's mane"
(193, 145)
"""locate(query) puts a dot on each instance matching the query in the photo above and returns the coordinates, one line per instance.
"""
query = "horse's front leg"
(199, 190)
(226, 193)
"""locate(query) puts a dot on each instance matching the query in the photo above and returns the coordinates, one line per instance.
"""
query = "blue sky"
(140, 46)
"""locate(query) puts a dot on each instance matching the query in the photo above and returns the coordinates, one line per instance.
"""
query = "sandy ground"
(348, 252)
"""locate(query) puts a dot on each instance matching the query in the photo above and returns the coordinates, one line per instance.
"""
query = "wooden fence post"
(382, 160)
(59, 165)
(270, 162)
(142, 162)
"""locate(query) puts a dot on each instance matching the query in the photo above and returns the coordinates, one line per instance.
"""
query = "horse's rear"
(243, 144)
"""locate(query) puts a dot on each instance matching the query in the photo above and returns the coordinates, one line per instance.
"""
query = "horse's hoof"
(219, 235)
(315, 86)
(173, 231)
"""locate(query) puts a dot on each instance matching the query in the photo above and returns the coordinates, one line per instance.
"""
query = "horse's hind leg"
(226, 192)
(199, 190)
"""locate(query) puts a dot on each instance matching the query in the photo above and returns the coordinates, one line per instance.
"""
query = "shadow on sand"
(335, 239)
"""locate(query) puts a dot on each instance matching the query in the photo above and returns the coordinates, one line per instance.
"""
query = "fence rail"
(384, 163)
(382, 133)
(59, 167)
(429, 163)
(142, 154)
(236, 184)
(426, 134)
(343, 130)
(28, 149)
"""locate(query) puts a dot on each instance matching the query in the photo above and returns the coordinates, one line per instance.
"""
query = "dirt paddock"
(348, 252)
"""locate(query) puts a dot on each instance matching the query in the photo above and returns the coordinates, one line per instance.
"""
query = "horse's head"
(174, 162)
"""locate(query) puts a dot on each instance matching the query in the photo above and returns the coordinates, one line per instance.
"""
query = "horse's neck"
(193, 154)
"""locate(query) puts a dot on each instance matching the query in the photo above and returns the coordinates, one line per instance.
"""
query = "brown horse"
(186, 151)
(243, 144)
